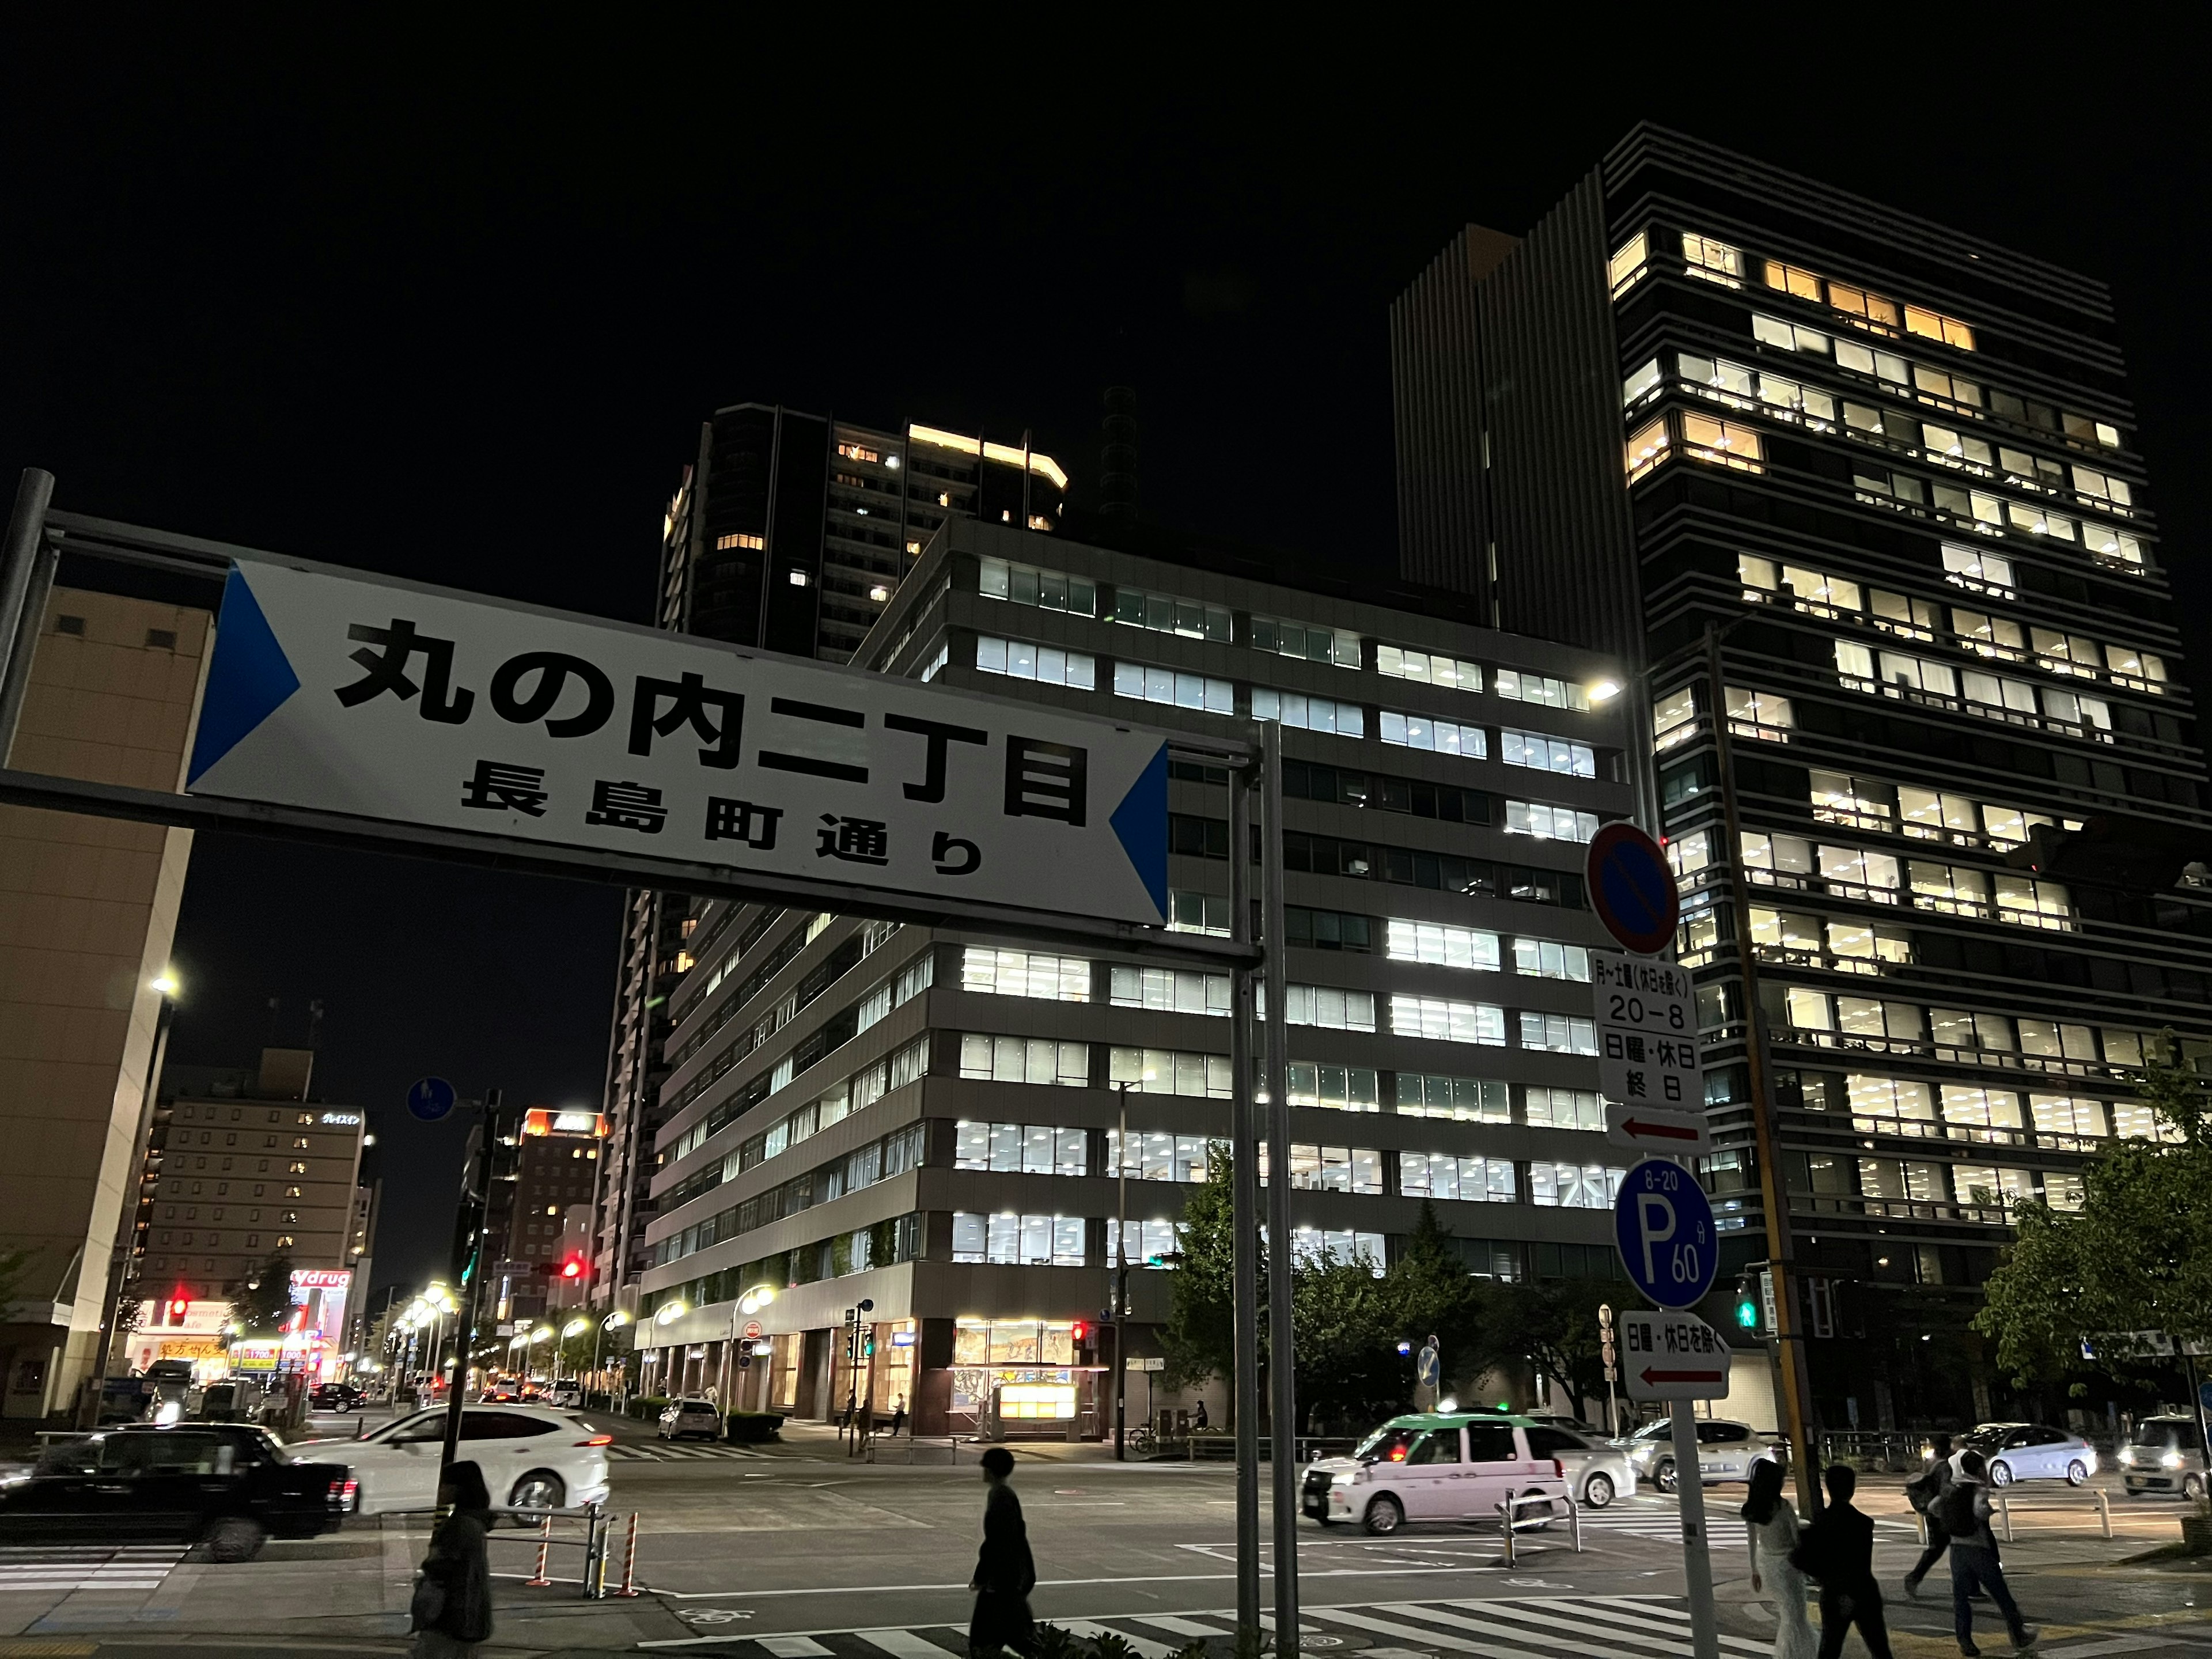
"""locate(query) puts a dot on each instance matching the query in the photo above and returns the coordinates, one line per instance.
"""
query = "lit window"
(1674, 716)
(1326, 1006)
(1543, 958)
(1020, 659)
(1953, 387)
(1638, 385)
(1171, 1071)
(1561, 1034)
(1867, 310)
(1338, 1088)
(1759, 714)
(1518, 686)
(1730, 443)
(1441, 737)
(1936, 327)
(1790, 337)
(1547, 753)
(1024, 1059)
(1977, 572)
(1164, 613)
(2110, 545)
(1803, 284)
(1442, 945)
(1024, 974)
(1715, 261)
(1198, 913)
(1169, 990)
(1047, 590)
(1290, 638)
(1404, 663)
(858, 453)
(722, 543)
(1547, 823)
(1440, 1019)
(1463, 1099)
(1573, 1186)
(1311, 714)
(1646, 449)
(1456, 1175)
(1627, 267)
(1882, 365)
(1565, 1108)
(1164, 686)
(2102, 486)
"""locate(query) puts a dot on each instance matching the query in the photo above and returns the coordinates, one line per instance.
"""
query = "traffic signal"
(179, 1307)
(868, 1344)
(1746, 1303)
(573, 1269)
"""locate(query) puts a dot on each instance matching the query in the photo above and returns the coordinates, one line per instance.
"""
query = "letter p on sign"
(1655, 1224)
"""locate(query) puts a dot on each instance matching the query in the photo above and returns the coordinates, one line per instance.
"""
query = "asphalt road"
(785, 1553)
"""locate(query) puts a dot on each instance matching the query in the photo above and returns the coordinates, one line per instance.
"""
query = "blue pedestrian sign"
(430, 1099)
(1664, 1227)
(1632, 889)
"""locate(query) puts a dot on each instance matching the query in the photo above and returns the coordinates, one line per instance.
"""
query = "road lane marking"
(794, 1647)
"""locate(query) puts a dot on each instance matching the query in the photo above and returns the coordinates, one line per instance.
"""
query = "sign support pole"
(1697, 1559)
(1788, 1325)
(1244, 1211)
(1282, 1338)
(476, 1204)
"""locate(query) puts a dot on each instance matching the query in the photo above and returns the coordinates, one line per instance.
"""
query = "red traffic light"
(1081, 1332)
(179, 1307)
(572, 1268)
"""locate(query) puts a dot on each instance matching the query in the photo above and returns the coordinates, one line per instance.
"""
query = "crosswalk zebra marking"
(794, 1647)
(901, 1644)
(89, 1566)
(1174, 1626)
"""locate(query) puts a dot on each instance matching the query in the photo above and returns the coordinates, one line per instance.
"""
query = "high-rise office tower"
(791, 531)
(930, 1122)
(1946, 778)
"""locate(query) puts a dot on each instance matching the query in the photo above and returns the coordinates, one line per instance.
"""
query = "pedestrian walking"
(1198, 1416)
(1772, 1524)
(1837, 1550)
(1965, 1512)
(865, 1426)
(898, 1417)
(1006, 1572)
(1924, 1492)
(451, 1608)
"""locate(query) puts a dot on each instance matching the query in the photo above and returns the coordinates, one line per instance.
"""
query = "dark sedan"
(227, 1485)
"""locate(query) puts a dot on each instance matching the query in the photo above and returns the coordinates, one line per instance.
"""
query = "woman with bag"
(1004, 1571)
(452, 1593)
(1772, 1525)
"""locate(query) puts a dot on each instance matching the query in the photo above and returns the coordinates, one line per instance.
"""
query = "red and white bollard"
(538, 1580)
(629, 1560)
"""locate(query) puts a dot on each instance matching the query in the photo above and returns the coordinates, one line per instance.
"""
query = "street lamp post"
(617, 1318)
(1122, 1282)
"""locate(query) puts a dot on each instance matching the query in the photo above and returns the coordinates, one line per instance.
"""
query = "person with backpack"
(1924, 1492)
(1964, 1511)
(1838, 1549)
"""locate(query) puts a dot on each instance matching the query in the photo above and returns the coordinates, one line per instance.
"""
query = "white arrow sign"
(1672, 1356)
(1657, 1132)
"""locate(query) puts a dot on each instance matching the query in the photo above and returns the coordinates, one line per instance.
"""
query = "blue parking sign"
(1663, 1225)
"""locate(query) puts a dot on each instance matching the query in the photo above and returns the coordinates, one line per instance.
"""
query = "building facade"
(1894, 471)
(792, 532)
(932, 1123)
(88, 910)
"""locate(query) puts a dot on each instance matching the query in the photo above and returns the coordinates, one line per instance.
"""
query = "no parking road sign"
(1664, 1228)
(1631, 889)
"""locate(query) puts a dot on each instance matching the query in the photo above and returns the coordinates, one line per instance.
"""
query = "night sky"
(436, 308)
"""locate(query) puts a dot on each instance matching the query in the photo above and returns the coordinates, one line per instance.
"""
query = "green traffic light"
(1746, 1314)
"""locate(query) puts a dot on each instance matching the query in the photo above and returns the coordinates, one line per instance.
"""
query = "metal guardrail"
(2003, 1505)
(598, 1527)
(1222, 1448)
(1511, 1526)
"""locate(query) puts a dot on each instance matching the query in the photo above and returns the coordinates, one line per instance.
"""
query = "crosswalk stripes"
(675, 1451)
(1493, 1628)
(63, 1567)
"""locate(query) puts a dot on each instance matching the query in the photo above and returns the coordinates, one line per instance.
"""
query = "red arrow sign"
(1662, 1131)
(1652, 1378)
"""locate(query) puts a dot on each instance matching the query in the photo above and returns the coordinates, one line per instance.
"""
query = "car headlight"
(2171, 1460)
(1344, 1478)
(2127, 1457)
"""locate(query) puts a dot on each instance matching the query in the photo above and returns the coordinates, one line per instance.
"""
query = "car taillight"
(598, 1440)
(1558, 1470)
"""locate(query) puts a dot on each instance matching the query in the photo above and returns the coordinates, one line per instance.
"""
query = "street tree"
(1551, 1326)
(2135, 1258)
(1198, 1340)
(259, 1308)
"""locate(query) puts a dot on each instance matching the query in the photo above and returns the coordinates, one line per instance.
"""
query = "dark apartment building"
(1860, 499)
(792, 532)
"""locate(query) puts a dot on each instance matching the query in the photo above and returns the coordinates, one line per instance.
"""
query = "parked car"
(1431, 1467)
(2033, 1451)
(227, 1485)
(2163, 1454)
(337, 1397)
(533, 1459)
(687, 1417)
(234, 1400)
(125, 1399)
(1727, 1450)
(1597, 1471)
(567, 1393)
(1560, 1420)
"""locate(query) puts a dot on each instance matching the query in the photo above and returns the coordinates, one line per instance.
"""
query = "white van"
(1432, 1466)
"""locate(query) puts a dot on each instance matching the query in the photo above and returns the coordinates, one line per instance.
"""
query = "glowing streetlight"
(1605, 691)
(576, 1327)
(670, 1313)
(167, 984)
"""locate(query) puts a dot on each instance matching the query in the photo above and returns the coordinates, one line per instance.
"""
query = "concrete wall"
(88, 909)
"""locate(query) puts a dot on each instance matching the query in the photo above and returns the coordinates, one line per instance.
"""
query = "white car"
(1597, 1472)
(533, 1458)
(699, 1417)
(1727, 1450)
(1432, 1467)
(2033, 1451)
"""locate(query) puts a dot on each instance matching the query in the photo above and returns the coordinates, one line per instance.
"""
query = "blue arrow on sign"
(1663, 1225)
(430, 1098)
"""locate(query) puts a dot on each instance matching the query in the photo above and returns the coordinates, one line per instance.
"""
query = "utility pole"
(1282, 1340)
(1774, 1194)
(1122, 1285)
(1244, 1211)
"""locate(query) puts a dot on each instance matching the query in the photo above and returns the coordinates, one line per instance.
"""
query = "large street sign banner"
(386, 700)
